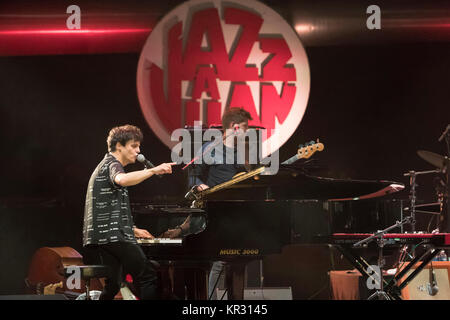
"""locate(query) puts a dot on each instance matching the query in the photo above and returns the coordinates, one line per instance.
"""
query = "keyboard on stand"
(349, 243)
(436, 239)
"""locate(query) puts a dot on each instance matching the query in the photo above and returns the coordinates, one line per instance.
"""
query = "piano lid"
(292, 183)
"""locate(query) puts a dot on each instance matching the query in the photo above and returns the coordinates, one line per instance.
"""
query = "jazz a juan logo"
(209, 55)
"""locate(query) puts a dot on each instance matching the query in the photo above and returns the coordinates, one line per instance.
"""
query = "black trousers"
(124, 258)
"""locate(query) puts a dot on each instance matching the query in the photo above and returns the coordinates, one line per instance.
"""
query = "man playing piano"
(109, 235)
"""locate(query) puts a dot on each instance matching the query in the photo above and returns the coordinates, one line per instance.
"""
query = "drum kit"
(442, 183)
(441, 187)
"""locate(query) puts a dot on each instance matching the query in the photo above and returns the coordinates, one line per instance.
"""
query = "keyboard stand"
(395, 284)
(362, 266)
(392, 289)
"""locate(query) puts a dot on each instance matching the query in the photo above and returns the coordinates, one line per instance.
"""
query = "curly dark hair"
(236, 115)
(123, 134)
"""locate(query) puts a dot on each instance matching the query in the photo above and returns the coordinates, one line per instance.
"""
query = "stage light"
(69, 32)
(304, 28)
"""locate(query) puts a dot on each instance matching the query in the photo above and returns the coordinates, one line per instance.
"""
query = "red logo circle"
(208, 55)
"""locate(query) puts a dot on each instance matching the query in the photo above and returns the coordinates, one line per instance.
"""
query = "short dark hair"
(123, 134)
(236, 115)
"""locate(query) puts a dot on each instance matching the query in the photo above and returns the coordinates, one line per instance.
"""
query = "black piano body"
(229, 229)
(259, 216)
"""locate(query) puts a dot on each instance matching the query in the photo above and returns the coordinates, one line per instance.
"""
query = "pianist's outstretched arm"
(136, 177)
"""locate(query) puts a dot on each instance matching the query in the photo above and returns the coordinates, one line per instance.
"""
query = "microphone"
(432, 287)
(145, 162)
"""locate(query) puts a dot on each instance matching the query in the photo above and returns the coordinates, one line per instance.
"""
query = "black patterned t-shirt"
(107, 213)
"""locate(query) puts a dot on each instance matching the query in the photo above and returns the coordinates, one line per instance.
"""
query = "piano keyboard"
(440, 239)
(159, 241)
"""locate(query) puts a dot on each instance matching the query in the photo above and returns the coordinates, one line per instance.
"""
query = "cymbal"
(435, 159)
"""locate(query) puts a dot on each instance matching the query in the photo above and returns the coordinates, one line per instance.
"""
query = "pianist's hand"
(202, 187)
(178, 231)
(164, 168)
(142, 233)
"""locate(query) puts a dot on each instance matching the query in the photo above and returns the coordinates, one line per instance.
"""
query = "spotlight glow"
(68, 32)
(303, 28)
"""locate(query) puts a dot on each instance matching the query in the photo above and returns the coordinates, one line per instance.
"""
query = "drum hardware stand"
(426, 205)
(392, 289)
(446, 170)
(413, 195)
(380, 294)
(440, 191)
(446, 135)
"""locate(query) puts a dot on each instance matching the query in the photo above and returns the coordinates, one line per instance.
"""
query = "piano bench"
(86, 273)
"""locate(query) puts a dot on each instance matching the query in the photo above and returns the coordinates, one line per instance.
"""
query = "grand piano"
(258, 216)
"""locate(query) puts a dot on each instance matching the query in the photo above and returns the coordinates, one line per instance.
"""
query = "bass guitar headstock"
(307, 150)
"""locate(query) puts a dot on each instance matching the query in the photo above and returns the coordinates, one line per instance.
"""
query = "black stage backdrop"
(372, 106)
